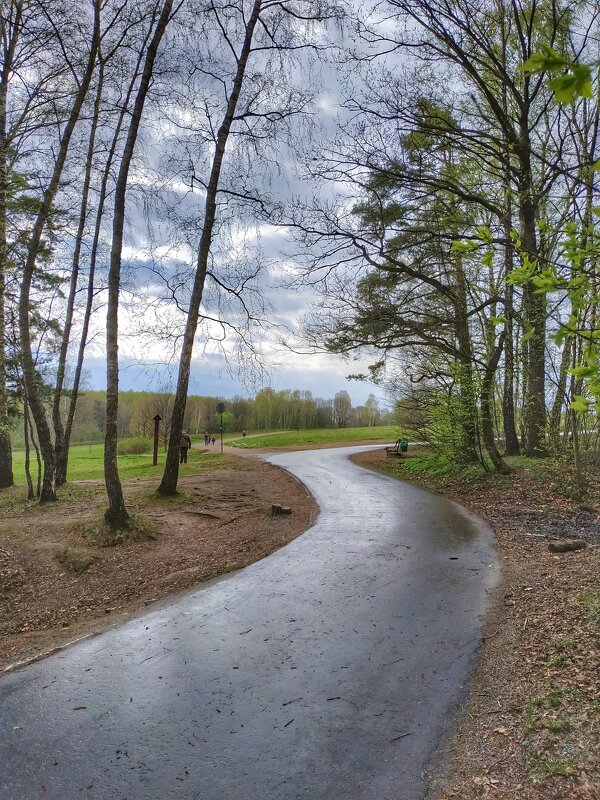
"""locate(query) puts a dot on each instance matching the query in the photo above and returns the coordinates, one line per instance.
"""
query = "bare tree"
(116, 515)
(254, 105)
(61, 443)
(109, 50)
(29, 371)
(342, 408)
(31, 80)
(10, 28)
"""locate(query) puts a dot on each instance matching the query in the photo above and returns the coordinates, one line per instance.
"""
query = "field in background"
(86, 462)
(380, 433)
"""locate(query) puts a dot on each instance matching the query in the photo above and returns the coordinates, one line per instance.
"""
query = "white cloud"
(323, 374)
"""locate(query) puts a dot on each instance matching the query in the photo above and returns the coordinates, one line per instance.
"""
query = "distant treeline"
(268, 410)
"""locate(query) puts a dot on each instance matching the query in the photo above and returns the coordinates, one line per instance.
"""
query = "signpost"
(220, 410)
(157, 420)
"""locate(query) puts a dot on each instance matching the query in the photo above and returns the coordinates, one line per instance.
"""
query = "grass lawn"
(86, 462)
(383, 433)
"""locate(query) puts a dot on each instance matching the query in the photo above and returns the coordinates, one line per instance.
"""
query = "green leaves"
(528, 335)
(464, 247)
(545, 60)
(579, 247)
(582, 372)
(576, 81)
(546, 281)
(521, 275)
(579, 403)
(484, 233)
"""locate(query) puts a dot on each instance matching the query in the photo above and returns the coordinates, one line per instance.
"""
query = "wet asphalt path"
(328, 670)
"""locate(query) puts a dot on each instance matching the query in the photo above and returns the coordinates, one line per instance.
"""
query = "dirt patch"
(531, 725)
(59, 581)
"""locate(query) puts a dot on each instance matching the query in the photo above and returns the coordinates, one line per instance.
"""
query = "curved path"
(328, 670)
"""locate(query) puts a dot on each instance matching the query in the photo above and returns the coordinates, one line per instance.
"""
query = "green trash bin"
(403, 445)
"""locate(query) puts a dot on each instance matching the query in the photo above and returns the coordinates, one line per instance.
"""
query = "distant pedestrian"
(184, 445)
(213, 441)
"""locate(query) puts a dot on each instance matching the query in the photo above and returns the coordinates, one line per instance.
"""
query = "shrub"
(75, 561)
(138, 528)
(134, 447)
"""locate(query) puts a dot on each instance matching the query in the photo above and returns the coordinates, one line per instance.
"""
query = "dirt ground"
(531, 723)
(60, 581)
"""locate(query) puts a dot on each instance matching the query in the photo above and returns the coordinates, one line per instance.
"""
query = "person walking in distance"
(184, 445)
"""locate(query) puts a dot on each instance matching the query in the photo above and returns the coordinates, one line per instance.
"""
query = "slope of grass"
(383, 433)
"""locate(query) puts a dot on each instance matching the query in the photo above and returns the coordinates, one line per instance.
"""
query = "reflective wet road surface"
(328, 670)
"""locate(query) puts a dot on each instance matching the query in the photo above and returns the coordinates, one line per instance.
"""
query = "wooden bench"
(398, 450)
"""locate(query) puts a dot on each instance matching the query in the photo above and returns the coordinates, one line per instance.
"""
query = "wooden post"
(157, 420)
(220, 410)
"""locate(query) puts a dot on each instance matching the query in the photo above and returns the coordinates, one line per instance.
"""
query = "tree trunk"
(511, 439)
(36, 449)
(560, 399)
(534, 311)
(579, 473)
(168, 485)
(30, 376)
(116, 515)
(30, 492)
(487, 387)
(6, 472)
(63, 459)
(61, 445)
(534, 407)
(467, 395)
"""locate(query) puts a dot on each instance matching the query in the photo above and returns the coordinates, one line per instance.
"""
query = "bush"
(134, 447)
(75, 561)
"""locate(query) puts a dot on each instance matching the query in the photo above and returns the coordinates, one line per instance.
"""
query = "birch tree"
(256, 38)
(116, 515)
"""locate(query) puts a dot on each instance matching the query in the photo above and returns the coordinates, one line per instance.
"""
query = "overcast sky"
(149, 364)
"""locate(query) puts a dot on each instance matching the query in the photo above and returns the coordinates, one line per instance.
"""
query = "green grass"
(75, 560)
(547, 767)
(86, 462)
(424, 466)
(559, 725)
(591, 598)
(557, 471)
(558, 652)
(439, 469)
(380, 433)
